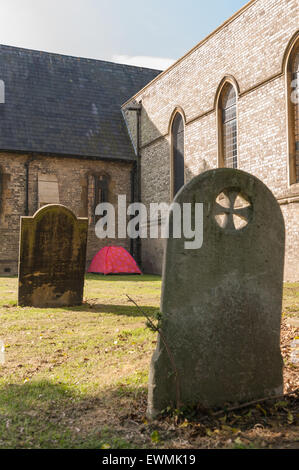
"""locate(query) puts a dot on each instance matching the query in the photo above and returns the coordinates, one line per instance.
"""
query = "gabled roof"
(66, 105)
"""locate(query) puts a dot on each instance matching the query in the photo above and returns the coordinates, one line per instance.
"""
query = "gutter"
(67, 155)
(137, 171)
(27, 163)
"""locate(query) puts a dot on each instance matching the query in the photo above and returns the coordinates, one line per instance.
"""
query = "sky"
(148, 33)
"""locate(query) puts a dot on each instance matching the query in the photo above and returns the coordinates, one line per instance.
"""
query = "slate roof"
(66, 105)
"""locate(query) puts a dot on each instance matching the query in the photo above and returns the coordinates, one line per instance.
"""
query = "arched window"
(293, 84)
(101, 189)
(178, 153)
(228, 147)
(98, 192)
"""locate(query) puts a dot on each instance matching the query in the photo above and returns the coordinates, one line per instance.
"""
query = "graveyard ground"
(77, 377)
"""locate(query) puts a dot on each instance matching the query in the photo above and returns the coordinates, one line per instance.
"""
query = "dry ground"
(76, 378)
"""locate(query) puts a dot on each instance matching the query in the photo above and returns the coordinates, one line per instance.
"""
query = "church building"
(63, 139)
(232, 101)
(81, 131)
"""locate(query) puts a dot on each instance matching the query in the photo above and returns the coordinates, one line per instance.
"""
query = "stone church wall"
(249, 49)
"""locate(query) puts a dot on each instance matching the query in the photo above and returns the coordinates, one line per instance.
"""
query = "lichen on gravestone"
(221, 303)
(52, 258)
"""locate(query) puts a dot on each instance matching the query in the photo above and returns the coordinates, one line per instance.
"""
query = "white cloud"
(158, 63)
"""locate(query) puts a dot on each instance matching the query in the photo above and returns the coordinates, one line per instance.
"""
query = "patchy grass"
(77, 377)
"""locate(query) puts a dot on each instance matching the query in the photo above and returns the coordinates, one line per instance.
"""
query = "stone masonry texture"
(73, 177)
(249, 49)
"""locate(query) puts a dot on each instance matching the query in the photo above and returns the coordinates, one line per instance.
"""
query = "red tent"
(113, 260)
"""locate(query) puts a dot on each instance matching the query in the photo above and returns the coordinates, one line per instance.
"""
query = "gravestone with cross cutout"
(221, 304)
(52, 258)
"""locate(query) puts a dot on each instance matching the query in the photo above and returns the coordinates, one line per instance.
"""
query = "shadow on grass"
(9, 277)
(122, 310)
(112, 277)
(123, 277)
(43, 414)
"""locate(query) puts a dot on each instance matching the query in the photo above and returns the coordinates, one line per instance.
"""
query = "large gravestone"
(221, 304)
(52, 258)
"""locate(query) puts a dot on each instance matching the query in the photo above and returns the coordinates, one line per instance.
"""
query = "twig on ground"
(254, 402)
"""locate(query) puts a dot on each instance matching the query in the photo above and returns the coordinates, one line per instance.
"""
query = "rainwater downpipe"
(27, 163)
(133, 179)
(137, 196)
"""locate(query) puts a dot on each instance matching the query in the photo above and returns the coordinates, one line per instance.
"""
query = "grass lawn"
(77, 377)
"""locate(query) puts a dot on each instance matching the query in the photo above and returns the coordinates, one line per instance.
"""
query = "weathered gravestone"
(221, 304)
(52, 258)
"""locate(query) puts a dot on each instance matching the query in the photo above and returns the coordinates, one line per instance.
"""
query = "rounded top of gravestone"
(54, 208)
(233, 199)
(238, 235)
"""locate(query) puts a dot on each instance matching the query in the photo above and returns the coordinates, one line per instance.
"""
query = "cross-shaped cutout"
(232, 210)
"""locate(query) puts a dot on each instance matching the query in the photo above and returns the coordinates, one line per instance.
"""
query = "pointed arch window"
(178, 133)
(293, 85)
(228, 138)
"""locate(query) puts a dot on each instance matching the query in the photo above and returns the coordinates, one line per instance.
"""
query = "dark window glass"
(228, 104)
(295, 83)
(178, 153)
(100, 192)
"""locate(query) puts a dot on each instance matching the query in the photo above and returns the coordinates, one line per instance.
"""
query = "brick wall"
(250, 49)
(73, 176)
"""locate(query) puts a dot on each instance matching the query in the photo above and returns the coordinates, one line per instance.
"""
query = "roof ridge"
(81, 59)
